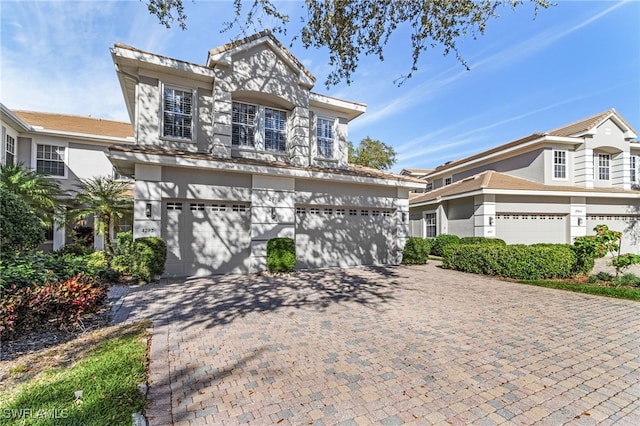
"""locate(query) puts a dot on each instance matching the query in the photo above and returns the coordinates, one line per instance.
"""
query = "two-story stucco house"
(547, 187)
(65, 147)
(240, 150)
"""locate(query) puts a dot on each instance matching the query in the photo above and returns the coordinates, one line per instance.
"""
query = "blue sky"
(527, 75)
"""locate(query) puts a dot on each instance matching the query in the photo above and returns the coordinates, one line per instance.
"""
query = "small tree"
(372, 153)
(607, 242)
(107, 199)
(20, 228)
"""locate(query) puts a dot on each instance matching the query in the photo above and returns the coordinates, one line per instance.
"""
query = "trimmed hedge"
(150, 255)
(441, 241)
(416, 251)
(514, 261)
(281, 255)
(482, 240)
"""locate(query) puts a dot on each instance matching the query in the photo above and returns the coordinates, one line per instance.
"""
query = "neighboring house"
(544, 188)
(239, 150)
(65, 147)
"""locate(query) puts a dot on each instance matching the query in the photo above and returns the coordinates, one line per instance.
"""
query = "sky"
(529, 72)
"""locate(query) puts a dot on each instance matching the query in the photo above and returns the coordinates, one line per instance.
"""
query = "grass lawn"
(616, 292)
(106, 366)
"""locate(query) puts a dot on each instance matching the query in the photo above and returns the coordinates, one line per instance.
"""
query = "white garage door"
(205, 238)
(329, 236)
(532, 228)
(629, 225)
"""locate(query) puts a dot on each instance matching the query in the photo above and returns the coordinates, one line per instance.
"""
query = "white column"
(484, 218)
(577, 218)
(147, 214)
(402, 226)
(59, 236)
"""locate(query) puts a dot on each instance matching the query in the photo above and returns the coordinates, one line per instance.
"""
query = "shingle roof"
(491, 179)
(583, 125)
(257, 36)
(352, 170)
(76, 124)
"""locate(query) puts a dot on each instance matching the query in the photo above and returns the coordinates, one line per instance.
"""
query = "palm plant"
(107, 200)
(40, 192)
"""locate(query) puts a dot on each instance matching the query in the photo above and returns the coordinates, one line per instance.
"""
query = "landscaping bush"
(416, 251)
(514, 261)
(25, 308)
(150, 255)
(627, 280)
(441, 241)
(20, 228)
(281, 255)
(76, 249)
(482, 240)
(123, 253)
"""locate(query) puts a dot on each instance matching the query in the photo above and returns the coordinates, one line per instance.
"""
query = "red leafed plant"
(60, 303)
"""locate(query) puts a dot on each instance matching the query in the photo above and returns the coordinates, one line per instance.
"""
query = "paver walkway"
(397, 345)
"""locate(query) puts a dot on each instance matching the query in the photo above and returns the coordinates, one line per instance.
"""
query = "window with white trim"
(559, 164)
(429, 186)
(324, 135)
(633, 168)
(50, 159)
(10, 151)
(177, 113)
(604, 166)
(447, 181)
(430, 222)
(252, 122)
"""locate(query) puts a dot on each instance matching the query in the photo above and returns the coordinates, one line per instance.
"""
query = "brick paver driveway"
(390, 346)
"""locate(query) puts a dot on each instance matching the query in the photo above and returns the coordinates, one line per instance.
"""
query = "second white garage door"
(329, 236)
(206, 238)
(525, 228)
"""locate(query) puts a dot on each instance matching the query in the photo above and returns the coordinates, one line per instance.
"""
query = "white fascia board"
(584, 194)
(84, 136)
(505, 153)
(167, 64)
(628, 132)
(8, 115)
(164, 160)
(352, 109)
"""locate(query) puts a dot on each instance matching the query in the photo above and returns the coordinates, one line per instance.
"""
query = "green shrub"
(604, 276)
(150, 255)
(514, 261)
(76, 249)
(627, 280)
(441, 241)
(281, 255)
(593, 279)
(482, 240)
(416, 251)
(63, 302)
(20, 228)
(123, 253)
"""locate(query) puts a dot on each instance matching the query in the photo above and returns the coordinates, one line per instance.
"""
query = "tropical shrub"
(150, 255)
(627, 280)
(281, 255)
(25, 308)
(605, 241)
(416, 251)
(441, 241)
(20, 228)
(482, 240)
(513, 261)
(123, 258)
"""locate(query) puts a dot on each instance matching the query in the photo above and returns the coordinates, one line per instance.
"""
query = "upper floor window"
(429, 186)
(324, 134)
(10, 151)
(50, 159)
(604, 166)
(177, 113)
(253, 123)
(447, 181)
(633, 168)
(559, 164)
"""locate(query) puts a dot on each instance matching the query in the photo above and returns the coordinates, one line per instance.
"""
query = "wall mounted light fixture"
(273, 213)
(404, 217)
(579, 221)
(147, 210)
(490, 221)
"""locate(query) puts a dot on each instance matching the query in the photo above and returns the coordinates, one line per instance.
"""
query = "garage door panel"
(327, 237)
(523, 228)
(208, 238)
